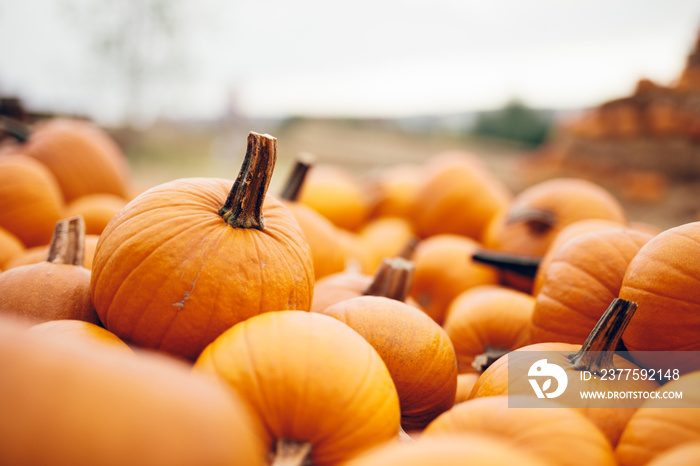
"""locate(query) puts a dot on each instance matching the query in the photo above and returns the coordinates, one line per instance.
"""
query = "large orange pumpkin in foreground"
(188, 259)
(318, 387)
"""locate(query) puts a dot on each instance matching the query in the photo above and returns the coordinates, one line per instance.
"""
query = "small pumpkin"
(580, 279)
(57, 288)
(31, 200)
(63, 405)
(416, 350)
(386, 237)
(662, 279)
(393, 191)
(96, 209)
(79, 331)
(661, 425)
(550, 431)
(10, 247)
(459, 196)
(322, 392)
(485, 322)
(188, 259)
(444, 269)
(595, 356)
(538, 213)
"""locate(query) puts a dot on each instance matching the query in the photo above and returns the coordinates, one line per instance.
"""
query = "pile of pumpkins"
(351, 321)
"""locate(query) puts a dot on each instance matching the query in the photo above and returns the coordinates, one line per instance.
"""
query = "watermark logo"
(543, 370)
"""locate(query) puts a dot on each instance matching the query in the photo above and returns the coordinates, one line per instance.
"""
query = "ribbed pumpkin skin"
(82, 157)
(568, 199)
(488, 317)
(309, 378)
(663, 280)
(459, 196)
(581, 279)
(30, 198)
(47, 291)
(657, 428)
(447, 450)
(552, 433)
(62, 405)
(10, 247)
(96, 209)
(170, 273)
(416, 350)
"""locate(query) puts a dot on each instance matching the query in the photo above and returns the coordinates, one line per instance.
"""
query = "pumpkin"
(63, 405)
(485, 322)
(188, 259)
(581, 278)
(386, 237)
(458, 196)
(30, 198)
(663, 279)
(393, 279)
(79, 331)
(661, 425)
(38, 254)
(357, 257)
(683, 455)
(549, 431)
(336, 194)
(538, 213)
(83, 157)
(447, 450)
(10, 247)
(319, 388)
(393, 190)
(57, 288)
(96, 209)
(596, 356)
(465, 384)
(444, 269)
(416, 350)
(567, 233)
(326, 249)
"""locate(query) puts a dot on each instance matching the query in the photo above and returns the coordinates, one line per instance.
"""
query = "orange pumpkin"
(581, 278)
(683, 455)
(386, 237)
(416, 350)
(663, 279)
(30, 198)
(538, 213)
(485, 322)
(459, 196)
(83, 157)
(63, 405)
(447, 450)
(318, 387)
(595, 356)
(444, 269)
(188, 259)
(337, 195)
(326, 248)
(465, 384)
(58, 288)
(393, 191)
(79, 331)
(661, 425)
(357, 257)
(10, 247)
(549, 431)
(96, 209)
(38, 254)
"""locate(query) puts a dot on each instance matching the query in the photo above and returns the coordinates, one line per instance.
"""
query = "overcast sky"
(361, 58)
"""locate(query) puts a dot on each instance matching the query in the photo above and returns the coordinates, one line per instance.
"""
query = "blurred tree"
(515, 121)
(137, 40)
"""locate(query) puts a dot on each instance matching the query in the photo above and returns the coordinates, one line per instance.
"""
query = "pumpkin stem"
(598, 349)
(291, 453)
(296, 179)
(517, 263)
(15, 128)
(489, 356)
(392, 280)
(539, 220)
(68, 242)
(243, 206)
(409, 249)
